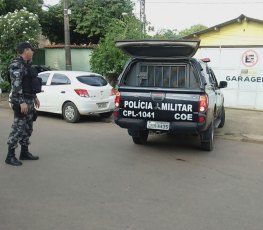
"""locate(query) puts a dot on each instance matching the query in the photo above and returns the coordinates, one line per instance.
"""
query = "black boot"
(26, 155)
(11, 158)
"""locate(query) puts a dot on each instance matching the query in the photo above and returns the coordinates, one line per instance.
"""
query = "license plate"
(158, 125)
(102, 105)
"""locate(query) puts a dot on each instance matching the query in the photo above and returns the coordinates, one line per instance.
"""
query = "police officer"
(24, 101)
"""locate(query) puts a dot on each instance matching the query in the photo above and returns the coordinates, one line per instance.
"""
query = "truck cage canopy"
(165, 75)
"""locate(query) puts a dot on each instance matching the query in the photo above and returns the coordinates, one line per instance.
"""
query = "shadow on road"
(83, 119)
(176, 142)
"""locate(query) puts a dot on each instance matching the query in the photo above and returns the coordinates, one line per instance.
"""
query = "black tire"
(222, 117)
(106, 115)
(141, 139)
(70, 112)
(207, 138)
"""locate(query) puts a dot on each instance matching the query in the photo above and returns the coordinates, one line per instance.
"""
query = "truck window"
(214, 78)
(207, 74)
(179, 75)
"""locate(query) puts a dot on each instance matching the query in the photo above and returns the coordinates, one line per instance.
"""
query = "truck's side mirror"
(222, 84)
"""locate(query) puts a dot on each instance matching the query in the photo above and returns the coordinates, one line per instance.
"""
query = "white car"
(75, 93)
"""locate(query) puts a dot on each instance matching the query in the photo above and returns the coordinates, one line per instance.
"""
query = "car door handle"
(62, 92)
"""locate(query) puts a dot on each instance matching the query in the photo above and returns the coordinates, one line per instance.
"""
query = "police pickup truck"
(164, 89)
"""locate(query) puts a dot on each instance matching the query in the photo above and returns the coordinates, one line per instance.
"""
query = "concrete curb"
(251, 138)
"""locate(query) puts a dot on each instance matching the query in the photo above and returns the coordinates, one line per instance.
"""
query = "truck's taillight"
(117, 104)
(117, 100)
(82, 92)
(203, 103)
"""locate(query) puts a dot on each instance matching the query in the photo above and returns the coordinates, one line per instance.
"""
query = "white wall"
(242, 68)
(80, 59)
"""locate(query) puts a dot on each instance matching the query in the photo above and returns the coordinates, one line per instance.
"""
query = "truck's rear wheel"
(141, 138)
(207, 138)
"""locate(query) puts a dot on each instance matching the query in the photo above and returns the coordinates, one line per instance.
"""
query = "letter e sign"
(250, 58)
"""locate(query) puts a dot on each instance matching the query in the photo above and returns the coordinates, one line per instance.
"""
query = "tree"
(175, 34)
(88, 20)
(95, 15)
(166, 34)
(16, 27)
(2, 5)
(52, 23)
(108, 60)
(192, 29)
(33, 6)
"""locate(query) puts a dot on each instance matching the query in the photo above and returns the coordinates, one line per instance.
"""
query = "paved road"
(91, 176)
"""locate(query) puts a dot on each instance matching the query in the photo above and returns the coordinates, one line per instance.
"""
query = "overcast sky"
(181, 14)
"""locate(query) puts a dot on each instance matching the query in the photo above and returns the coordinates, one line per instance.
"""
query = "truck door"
(219, 97)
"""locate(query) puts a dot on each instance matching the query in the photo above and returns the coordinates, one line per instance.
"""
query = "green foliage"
(108, 60)
(166, 34)
(94, 16)
(33, 6)
(175, 34)
(5, 86)
(88, 20)
(52, 23)
(15, 28)
(2, 5)
(191, 30)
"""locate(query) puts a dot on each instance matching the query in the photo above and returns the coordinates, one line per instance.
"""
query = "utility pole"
(67, 36)
(143, 16)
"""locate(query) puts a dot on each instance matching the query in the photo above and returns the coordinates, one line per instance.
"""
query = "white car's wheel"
(70, 112)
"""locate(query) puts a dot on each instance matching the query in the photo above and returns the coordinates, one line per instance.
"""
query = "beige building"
(235, 48)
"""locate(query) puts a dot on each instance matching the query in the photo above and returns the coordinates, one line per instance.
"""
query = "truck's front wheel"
(222, 117)
(140, 138)
(207, 138)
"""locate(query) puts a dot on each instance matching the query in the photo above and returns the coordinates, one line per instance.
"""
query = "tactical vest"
(27, 80)
(31, 83)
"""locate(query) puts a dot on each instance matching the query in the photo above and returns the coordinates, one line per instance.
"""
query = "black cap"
(24, 45)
